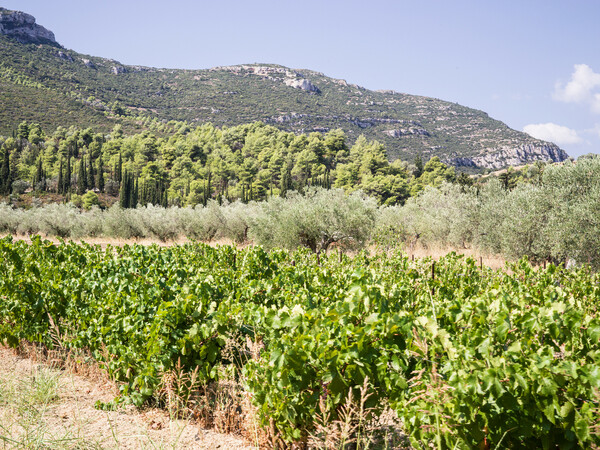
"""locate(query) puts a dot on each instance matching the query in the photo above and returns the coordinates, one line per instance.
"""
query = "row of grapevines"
(465, 356)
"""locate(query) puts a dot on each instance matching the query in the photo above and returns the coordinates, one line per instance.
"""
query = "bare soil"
(493, 261)
(67, 417)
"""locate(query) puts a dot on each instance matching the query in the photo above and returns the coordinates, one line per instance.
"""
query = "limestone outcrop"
(301, 83)
(22, 27)
(515, 156)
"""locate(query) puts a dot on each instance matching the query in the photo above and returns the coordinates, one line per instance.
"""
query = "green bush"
(89, 199)
(315, 220)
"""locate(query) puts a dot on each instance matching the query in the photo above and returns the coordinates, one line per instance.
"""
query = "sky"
(534, 65)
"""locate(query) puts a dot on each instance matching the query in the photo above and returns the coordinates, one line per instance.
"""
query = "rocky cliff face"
(22, 27)
(516, 156)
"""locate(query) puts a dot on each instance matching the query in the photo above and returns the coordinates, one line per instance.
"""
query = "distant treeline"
(555, 218)
(191, 166)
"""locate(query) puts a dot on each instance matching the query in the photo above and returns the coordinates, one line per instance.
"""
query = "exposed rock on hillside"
(407, 131)
(22, 27)
(502, 157)
(303, 84)
(65, 56)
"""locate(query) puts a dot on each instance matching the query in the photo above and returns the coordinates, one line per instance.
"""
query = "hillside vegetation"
(191, 166)
(60, 87)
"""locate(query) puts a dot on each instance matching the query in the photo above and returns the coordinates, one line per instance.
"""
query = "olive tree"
(574, 227)
(315, 220)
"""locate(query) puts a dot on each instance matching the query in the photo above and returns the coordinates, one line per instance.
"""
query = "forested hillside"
(53, 86)
(191, 166)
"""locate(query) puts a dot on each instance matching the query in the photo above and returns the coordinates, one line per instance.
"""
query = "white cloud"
(595, 131)
(584, 87)
(553, 133)
(596, 104)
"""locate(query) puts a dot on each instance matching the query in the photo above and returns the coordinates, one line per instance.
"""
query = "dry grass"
(496, 262)
(416, 251)
(42, 406)
(492, 261)
(104, 242)
(224, 405)
(357, 426)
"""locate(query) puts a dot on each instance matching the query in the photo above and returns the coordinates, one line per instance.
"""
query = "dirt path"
(42, 407)
(496, 262)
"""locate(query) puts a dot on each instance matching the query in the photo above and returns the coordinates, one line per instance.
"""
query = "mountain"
(42, 82)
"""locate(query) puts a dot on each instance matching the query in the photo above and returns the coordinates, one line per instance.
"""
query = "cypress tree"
(81, 178)
(23, 131)
(144, 193)
(100, 173)
(131, 190)
(119, 171)
(135, 193)
(285, 182)
(165, 199)
(91, 184)
(5, 173)
(124, 193)
(60, 188)
(39, 178)
(209, 189)
(418, 166)
(67, 179)
(12, 158)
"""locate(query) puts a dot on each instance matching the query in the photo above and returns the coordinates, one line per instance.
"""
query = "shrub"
(160, 223)
(203, 222)
(122, 223)
(20, 186)
(316, 220)
(89, 199)
(10, 218)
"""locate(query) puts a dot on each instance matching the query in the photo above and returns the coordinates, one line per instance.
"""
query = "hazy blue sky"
(533, 64)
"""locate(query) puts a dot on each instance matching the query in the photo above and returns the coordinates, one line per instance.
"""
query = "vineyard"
(465, 356)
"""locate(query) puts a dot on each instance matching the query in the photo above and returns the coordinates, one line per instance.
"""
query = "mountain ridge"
(297, 100)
